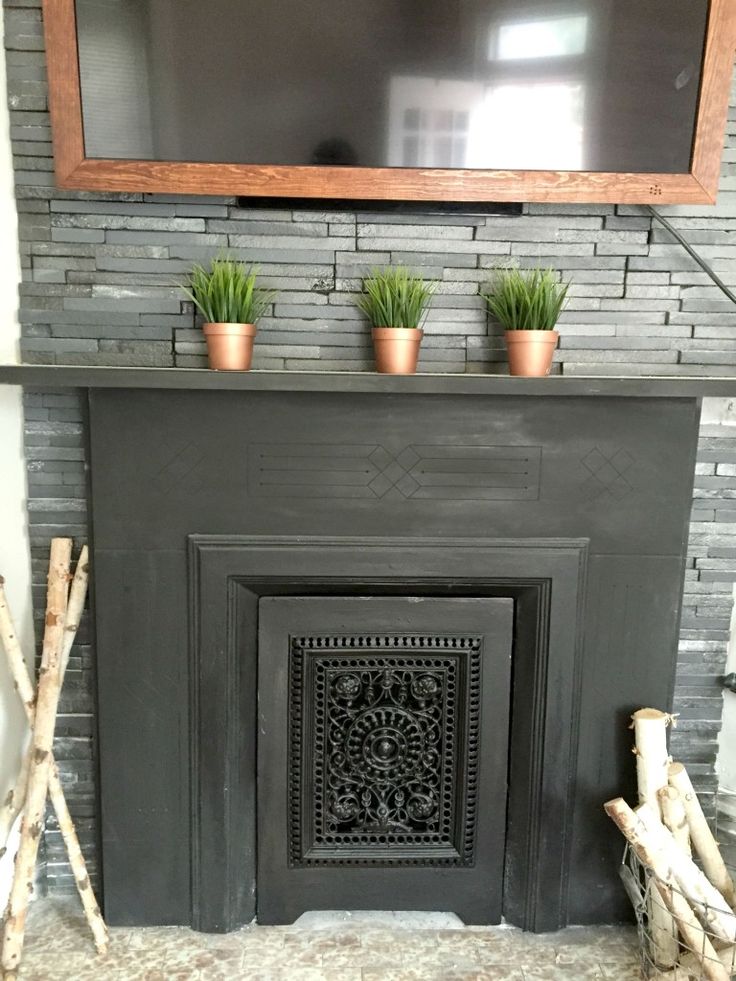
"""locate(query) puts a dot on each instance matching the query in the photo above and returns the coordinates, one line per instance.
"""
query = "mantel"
(81, 376)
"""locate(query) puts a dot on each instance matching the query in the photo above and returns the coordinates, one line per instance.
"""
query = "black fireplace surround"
(278, 554)
(235, 532)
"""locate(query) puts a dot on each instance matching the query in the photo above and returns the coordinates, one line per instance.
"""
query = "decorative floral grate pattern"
(383, 748)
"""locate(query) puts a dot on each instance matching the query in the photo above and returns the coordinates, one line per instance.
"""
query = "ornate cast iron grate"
(383, 749)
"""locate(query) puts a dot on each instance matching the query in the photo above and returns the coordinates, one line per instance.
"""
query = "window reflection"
(487, 134)
(552, 134)
(510, 118)
(433, 128)
(555, 37)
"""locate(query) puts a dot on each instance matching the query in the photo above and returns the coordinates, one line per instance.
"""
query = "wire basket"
(640, 884)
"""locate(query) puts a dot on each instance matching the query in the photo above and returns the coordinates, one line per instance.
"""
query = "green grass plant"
(395, 297)
(226, 293)
(526, 299)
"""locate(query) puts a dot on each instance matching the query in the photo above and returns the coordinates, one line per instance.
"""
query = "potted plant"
(227, 297)
(528, 305)
(396, 303)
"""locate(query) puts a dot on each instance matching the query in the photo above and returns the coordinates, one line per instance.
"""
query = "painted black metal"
(729, 682)
(228, 576)
(167, 464)
(389, 781)
(203, 379)
(142, 683)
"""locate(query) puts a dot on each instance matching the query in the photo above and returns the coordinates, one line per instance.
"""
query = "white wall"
(14, 555)
(722, 412)
(727, 739)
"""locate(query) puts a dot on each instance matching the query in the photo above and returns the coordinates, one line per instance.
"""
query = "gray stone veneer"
(99, 275)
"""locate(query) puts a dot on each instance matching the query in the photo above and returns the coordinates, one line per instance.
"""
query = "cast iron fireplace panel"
(382, 754)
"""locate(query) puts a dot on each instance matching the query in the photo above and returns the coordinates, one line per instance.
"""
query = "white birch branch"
(75, 608)
(23, 681)
(14, 802)
(43, 738)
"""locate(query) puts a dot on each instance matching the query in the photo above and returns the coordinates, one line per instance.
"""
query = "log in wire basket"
(639, 883)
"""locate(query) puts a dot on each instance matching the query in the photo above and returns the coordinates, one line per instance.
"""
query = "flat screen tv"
(456, 100)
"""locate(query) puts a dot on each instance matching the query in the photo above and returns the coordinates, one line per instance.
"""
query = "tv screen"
(571, 85)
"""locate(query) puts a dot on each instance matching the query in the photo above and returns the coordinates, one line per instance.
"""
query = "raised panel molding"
(428, 471)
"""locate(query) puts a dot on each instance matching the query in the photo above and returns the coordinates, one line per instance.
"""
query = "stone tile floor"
(324, 947)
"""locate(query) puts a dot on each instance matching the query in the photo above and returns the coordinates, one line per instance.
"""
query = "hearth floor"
(324, 947)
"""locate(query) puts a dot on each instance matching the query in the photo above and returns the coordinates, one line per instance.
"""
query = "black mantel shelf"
(81, 376)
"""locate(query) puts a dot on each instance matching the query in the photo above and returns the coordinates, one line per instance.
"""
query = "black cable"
(691, 252)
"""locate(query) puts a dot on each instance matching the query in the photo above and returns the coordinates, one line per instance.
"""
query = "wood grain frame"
(75, 171)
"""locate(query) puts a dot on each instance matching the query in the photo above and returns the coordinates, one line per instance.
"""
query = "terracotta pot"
(530, 351)
(397, 349)
(229, 346)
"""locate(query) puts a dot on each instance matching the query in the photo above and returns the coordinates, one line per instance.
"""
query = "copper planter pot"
(531, 351)
(397, 349)
(230, 346)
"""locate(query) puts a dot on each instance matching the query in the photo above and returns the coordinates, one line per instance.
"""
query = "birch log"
(665, 946)
(75, 608)
(43, 738)
(657, 849)
(708, 903)
(23, 683)
(674, 817)
(647, 850)
(652, 756)
(13, 804)
(652, 759)
(14, 654)
(76, 860)
(701, 836)
(702, 952)
(649, 853)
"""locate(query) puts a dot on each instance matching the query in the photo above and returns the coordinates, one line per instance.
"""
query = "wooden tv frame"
(76, 171)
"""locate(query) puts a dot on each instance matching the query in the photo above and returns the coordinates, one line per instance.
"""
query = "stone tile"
(621, 970)
(506, 972)
(579, 971)
(58, 948)
(400, 974)
(499, 972)
(302, 974)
